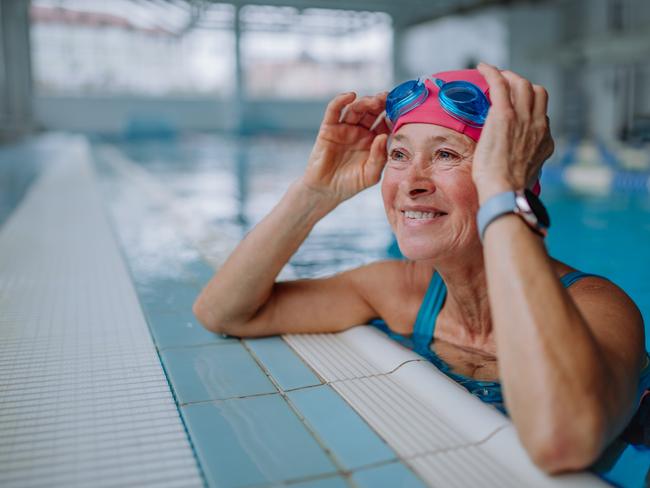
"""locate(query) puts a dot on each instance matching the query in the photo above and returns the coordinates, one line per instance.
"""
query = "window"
(94, 47)
(314, 53)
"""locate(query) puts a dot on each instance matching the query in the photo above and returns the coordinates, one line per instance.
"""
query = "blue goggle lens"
(404, 98)
(464, 101)
(461, 99)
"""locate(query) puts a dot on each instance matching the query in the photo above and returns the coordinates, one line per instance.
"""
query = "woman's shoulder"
(595, 289)
(563, 270)
(395, 289)
(398, 275)
(609, 311)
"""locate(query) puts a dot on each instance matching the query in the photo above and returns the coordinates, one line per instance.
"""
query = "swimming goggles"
(462, 100)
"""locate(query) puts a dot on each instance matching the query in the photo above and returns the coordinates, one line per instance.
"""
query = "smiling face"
(428, 192)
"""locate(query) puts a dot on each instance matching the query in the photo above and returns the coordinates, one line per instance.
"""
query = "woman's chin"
(418, 251)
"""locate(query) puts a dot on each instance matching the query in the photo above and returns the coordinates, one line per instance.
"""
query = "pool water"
(233, 183)
(236, 182)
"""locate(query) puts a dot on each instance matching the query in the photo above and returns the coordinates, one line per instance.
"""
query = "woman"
(569, 359)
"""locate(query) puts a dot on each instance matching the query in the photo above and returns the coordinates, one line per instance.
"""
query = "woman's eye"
(397, 155)
(446, 155)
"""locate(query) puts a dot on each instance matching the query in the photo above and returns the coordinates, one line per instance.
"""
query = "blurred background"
(219, 103)
(105, 66)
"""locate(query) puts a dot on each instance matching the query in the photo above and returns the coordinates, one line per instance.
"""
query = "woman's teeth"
(410, 214)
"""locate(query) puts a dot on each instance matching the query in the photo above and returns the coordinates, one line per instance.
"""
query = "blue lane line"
(569, 155)
(629, 181)
(610, 159)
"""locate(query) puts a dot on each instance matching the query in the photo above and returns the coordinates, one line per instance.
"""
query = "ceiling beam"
(410, 19)
(405, 13)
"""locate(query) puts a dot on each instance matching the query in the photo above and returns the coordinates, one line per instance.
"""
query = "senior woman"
(496, 306)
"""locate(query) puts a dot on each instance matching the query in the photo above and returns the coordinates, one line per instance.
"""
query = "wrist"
(488, 188)
(317, 202)
(523, 203)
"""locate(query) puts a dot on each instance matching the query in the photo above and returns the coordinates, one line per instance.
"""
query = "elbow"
(211, 319)
(207, 318)
(571, 446)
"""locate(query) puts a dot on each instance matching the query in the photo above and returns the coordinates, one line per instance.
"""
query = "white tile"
(83, 398)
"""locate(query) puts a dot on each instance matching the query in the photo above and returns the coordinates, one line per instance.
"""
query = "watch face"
(538, 208)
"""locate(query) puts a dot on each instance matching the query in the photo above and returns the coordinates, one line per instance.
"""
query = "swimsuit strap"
(570, 278)
(431, 305)
(434, 298)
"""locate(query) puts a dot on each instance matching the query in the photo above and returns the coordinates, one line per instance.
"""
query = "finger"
(367, 120)
(540, 105)
(355, 111)
(521, 94)
(382, 96)
(498, 85)
(333, 110)
(376, 159)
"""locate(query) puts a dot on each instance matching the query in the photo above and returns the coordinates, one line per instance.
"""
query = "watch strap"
(493, 208)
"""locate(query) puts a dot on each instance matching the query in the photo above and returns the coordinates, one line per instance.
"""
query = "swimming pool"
(233, 183)
(237, 182)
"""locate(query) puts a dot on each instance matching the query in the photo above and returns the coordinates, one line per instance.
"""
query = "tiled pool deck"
(106, 378)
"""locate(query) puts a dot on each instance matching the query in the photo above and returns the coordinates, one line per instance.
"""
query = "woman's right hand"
(347, 156)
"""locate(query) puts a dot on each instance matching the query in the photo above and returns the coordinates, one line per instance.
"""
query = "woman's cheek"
(389, 189)
(464, 191)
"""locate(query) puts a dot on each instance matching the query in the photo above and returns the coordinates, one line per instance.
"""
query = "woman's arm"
(243, 298)
(569, 360)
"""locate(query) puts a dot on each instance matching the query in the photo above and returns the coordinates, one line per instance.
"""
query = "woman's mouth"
(414, 215)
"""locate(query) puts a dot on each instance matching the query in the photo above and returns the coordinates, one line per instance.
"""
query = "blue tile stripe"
(206, 371)
(350, 438)
(254, 440)
(252, 408)
(281, 363)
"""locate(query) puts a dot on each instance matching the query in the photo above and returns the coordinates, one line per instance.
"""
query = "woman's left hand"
(516, 138)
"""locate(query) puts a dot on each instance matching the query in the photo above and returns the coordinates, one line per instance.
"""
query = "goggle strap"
(380, 117)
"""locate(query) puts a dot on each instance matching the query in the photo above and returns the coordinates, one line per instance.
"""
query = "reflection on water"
(226, 181)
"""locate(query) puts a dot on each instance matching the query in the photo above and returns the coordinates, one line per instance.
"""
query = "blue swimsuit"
(422, 337)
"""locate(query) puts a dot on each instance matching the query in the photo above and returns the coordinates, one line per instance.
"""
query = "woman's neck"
(466, 313)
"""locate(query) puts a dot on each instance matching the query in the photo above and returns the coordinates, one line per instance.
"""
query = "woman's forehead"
(430, 134)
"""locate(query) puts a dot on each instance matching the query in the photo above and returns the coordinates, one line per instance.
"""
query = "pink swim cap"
(431, 112)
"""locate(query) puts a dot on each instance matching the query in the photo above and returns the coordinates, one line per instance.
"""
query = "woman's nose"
(418, 180)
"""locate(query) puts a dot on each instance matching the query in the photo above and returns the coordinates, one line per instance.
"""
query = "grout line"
(197, 346)
(328, 452)
(215, 400)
